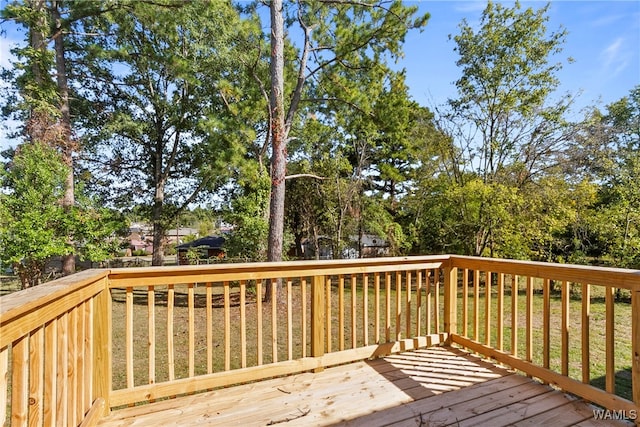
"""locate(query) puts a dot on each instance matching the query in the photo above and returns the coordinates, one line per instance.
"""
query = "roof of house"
(214, 242)
(182, 231)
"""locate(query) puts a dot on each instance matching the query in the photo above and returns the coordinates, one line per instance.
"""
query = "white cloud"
(611, 52)
(615, 57)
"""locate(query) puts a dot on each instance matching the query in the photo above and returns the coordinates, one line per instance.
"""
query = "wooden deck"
(438, 386)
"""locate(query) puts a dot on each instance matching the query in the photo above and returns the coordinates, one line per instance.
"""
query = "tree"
(47, 103)
(31, 218)
(34, 223)
(337, 37)
(620, 194)
(246, 211)
(506, 128)
(162, 80)
(42, 76)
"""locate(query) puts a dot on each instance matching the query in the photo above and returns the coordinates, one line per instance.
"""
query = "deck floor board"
(438, 386)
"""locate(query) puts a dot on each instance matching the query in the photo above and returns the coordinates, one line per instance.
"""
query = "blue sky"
(603, 39)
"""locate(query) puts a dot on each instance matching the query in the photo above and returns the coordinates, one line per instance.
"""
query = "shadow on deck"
(437, 386)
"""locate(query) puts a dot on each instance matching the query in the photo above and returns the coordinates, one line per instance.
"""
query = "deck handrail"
(350, 310)
(488, 338)
(54, 343)
(329, 283)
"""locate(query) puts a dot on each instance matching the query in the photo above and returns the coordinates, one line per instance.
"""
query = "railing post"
(635, 344)
(317, 317)
(102, 346)
(450, 301)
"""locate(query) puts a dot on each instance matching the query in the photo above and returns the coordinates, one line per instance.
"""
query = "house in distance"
(206, 247)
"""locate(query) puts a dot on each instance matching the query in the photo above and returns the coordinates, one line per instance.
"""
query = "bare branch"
(304, 175)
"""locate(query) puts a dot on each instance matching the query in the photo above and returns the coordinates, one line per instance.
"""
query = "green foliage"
(31, 73)
(165, 89)
(620, 210)
(247, 212)
(500, 135)
(505, 62)
(171, 102)
(32, 222)
(34, 226)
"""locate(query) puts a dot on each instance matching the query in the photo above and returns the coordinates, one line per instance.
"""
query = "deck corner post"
(101, 381)
(318, 318)
(450, 301)
(635, 344)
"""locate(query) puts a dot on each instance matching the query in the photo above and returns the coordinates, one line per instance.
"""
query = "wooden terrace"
(389, 341)
(436, 386)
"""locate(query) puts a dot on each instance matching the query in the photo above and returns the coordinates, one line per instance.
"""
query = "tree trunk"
(278, 136)
(66, 145)
(158, 244)
(158, 228)
(278, 140)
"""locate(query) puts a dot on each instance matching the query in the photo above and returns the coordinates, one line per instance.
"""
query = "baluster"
(365, 309)
(500, 337)
(259, 357)
(289, 321)
(408, 304)
(227, 325)
(564, 358)
(376, 284)
(398, 304)
(514, 314)
(546, 322)
(243, 324)
(610, 378)
(209, 332)
(341, 312)
(476, 305)
(529, 349)
(170, 347)
(303, 317)
(36, 372)
(354, 311)
(129, 335)
(465, 300)
(418, 302)
(151, 313)
(487, 308)
(586, 315)
(192, 329)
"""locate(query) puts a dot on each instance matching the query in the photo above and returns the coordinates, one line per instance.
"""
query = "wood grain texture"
(432, 386)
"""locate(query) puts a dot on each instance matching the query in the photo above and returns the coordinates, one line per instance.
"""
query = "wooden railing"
(73, 349)
(200, 327)
(539, 318)
(54, 352)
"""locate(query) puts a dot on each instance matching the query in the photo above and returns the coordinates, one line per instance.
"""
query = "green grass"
(9, 284)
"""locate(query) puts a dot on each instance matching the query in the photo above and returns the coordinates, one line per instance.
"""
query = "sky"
(603, 39)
